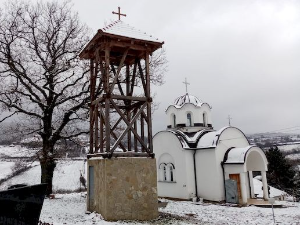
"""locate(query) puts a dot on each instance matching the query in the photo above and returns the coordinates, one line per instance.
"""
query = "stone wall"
(124, 188)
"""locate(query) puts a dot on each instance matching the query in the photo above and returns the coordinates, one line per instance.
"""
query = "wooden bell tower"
(120, 109)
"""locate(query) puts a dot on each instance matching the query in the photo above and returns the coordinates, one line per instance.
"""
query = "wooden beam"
(107, 100)
(148, 102)
(101, 129)
(129, 124)
(121, 154)
(131, 98)
(119, 70)
(142, 76)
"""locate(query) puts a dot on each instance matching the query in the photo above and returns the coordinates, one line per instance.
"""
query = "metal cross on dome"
(229, 119)
(119, 13)
(186, 84)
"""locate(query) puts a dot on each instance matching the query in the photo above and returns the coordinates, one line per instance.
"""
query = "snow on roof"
(187, 99)
(122, 29)
(237, 155)
(208, 140)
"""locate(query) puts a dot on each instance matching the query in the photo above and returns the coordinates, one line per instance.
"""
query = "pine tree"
(281, 173)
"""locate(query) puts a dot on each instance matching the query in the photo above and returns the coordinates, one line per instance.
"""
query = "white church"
(194, 160)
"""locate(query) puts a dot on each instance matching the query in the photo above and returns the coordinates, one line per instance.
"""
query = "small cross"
(186, 84)
(119, 13)
(229, 119)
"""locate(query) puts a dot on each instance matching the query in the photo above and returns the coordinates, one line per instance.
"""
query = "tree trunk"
(47, 167)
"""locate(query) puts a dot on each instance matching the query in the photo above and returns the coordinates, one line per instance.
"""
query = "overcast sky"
(241, 57)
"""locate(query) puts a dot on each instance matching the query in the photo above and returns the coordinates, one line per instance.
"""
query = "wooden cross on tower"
(119, 13)
(186, 84)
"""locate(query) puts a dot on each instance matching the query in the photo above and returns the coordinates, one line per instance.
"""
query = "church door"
(236, 177)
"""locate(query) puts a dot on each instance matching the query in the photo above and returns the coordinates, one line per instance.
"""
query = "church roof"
(187, 99)
(122, 29)
(237, 155)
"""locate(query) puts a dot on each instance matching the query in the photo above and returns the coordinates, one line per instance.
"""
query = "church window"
(174, 120)
(189, 119)
(166, 168)
(171, 174)
(204, 120)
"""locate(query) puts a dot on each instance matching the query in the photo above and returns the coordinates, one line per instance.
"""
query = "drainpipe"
(195, 173)
(222, 164)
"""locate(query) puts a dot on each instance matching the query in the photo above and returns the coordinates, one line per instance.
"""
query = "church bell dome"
(181, 100)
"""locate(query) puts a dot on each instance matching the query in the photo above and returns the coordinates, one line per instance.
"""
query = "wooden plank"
(113, 133)
(133, 79)
(129, 124)
(135, 128)
(119, 70)
(98, 100)
(131, 98)
(96, 129)
(121, 154)
(101, 128)
(91, 107)
(118, 80)
(142, 131)
(142, 76)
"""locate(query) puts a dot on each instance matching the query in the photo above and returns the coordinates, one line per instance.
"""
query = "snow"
(6, 168)
(288, 147)
(208, 140)
(237, 155)
(122, 29)
(180, 101)
(66, 176)
(225, 214)
(70, 209)
(187, 99)
(274, 192)
(16, 151)
(293, 156)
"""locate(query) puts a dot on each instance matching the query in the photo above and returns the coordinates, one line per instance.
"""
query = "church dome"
(180, 101)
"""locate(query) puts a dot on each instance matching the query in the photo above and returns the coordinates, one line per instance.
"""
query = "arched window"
(171, 174)
(166, 168)
(189, 119)
(204, 120)
(174, 120)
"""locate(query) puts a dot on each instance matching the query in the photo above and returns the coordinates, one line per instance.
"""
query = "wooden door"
(236, 177)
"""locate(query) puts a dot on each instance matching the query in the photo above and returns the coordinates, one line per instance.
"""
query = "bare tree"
(41, 77)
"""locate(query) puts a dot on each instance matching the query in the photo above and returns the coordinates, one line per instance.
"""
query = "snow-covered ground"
(293, 156)
(289, 147)
(66, 176)
(274, 192)
(6, 168)
(70, 209)
(15, 151)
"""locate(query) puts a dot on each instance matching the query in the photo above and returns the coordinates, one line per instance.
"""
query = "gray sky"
(241, 57)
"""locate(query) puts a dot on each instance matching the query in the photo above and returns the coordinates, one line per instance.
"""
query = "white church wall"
(207, 175)
(181, 114)
(229, 137)
(167, 143)
(190, 173)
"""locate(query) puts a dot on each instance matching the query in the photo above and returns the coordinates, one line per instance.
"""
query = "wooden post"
(148, 102)
(107, 97)
(101, 128)
(91, 106)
